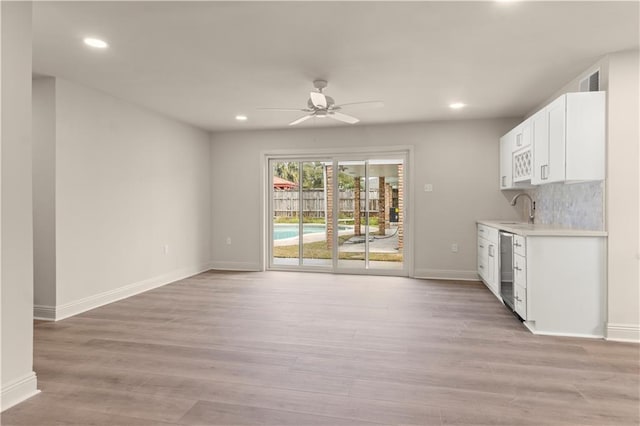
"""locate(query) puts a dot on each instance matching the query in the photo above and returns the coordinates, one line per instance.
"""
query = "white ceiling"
(205, 62)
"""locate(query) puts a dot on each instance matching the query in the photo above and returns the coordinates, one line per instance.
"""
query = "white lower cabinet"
(488, 263)
(559, 281)
(564, 285)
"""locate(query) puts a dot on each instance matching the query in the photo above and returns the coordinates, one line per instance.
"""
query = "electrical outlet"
(428, 187)
(228, 241)
(454, 248)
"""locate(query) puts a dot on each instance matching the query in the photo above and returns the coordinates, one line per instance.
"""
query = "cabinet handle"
(517, 269)
(481, 246)
(480, 266)
(517, 298)
(481, 230)
(517, 244)
(491, 251)
(544, 172)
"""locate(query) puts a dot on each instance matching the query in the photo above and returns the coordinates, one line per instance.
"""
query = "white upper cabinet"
(488, 257)
(540, 136)
(569, 139)
(585, 124)
(516, 158)
(506, 161)
(522, 136)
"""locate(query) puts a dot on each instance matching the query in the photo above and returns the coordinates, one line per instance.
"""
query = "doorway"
(338, 214)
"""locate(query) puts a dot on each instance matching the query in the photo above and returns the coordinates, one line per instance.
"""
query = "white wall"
(128, 182)
(460, 159)
(44, 156)
(18, 378)
(623, 203)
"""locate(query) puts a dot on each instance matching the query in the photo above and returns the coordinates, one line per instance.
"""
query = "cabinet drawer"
(483, 246)
(482, 269)
(519, 246)
(483, 231)
(488, 233)
(483, 250)
(520, 301)
(519, 270)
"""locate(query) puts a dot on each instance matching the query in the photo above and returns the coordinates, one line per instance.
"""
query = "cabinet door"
(585, 136)
(540, 137)
(556, 118)
(522, 136)
(506, 159)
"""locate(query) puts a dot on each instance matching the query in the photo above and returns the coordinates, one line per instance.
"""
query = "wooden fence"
(287, 203)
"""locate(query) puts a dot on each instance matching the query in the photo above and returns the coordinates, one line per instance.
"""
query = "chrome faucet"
(532, 205)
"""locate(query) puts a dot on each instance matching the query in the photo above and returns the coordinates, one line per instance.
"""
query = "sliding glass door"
(299, 214)
(342, 215)
(374, 189)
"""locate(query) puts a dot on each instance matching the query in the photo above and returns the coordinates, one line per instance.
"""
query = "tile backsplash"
(576, 206)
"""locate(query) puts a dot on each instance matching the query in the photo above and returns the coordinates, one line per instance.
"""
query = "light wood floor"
(284, 348)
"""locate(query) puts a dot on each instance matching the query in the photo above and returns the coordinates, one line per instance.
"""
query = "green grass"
(319, 250)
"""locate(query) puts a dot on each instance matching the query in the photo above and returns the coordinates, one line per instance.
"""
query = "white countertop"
(526, 229)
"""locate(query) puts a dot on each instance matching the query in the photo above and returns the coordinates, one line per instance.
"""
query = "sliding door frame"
(404, 152)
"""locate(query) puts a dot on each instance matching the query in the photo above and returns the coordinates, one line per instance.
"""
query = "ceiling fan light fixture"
(321, 106)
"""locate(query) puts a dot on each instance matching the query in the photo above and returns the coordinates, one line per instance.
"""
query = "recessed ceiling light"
(95, 42)
(241, 117)
(457, 105)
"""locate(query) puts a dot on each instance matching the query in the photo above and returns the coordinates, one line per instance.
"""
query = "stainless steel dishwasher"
(506, 268)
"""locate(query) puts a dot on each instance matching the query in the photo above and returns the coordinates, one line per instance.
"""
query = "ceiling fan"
(321, 106)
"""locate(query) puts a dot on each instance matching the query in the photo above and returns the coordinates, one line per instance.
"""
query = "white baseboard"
(623, 332)
(235, 266)
(531, 327)
(446, 274)
(44, 312)
(78, 306)
(17, 391)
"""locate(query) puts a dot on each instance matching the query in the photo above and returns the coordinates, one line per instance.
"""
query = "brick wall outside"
(382, 206)
(400, 206)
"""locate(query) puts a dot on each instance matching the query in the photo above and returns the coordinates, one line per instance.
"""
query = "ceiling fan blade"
(365, 104)
(343, 117)
(285, 109)
(300, 120)
(318, 99)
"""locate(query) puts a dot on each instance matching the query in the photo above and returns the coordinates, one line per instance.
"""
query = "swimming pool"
(290, 230)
